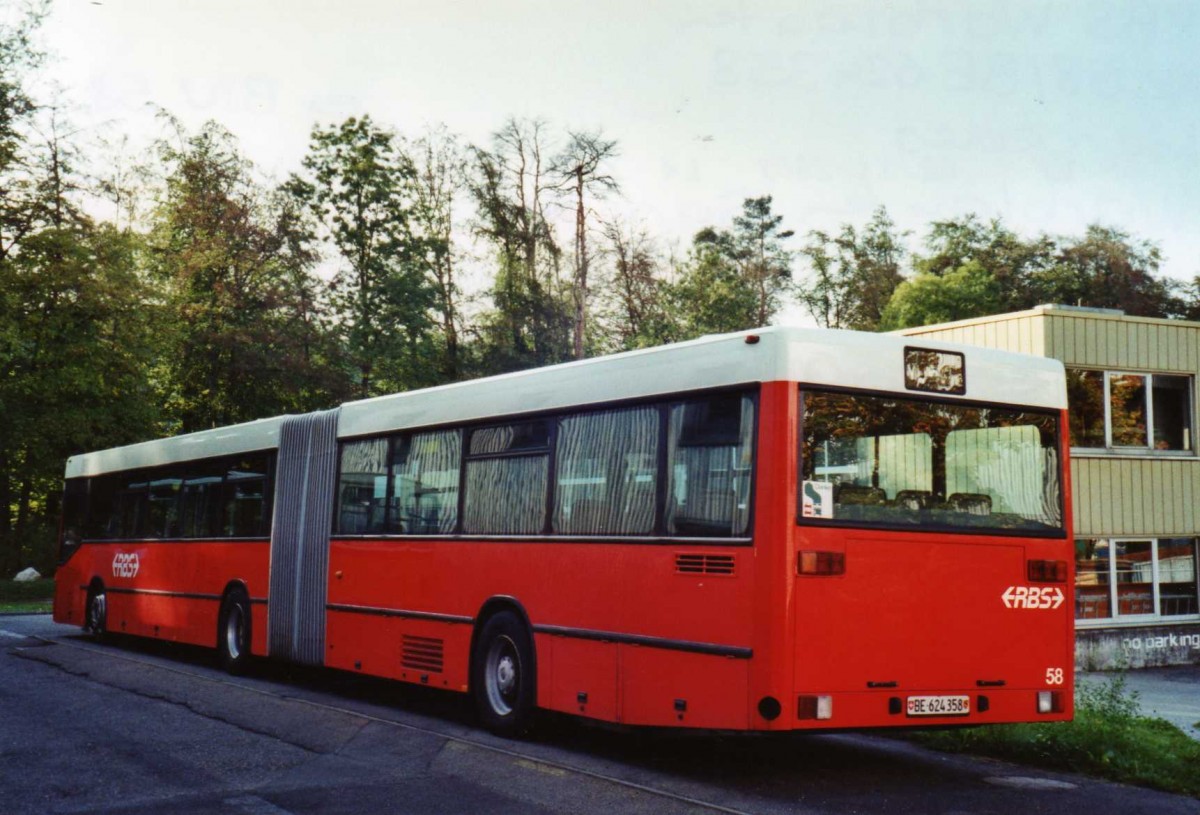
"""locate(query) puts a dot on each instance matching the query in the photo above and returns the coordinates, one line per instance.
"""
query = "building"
(1135, 473)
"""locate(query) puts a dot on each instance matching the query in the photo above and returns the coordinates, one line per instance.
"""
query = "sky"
(1050, 115)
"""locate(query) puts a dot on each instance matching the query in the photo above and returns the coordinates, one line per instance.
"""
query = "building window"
(1135, 579)
(1130, 411)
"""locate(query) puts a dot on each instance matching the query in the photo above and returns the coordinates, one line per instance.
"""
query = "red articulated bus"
(777, 530)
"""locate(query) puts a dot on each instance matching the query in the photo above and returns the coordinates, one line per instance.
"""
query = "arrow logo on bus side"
(1033, 597)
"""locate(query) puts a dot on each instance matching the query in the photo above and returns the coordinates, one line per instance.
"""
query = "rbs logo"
(125, 564)
(1033, 597)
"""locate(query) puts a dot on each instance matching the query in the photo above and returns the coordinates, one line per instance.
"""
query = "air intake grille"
(421, 653)
(704, 564)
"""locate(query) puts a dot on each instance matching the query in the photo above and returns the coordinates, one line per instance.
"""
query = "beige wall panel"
(1117, 346)
(1129, 501)
(1135, 496)
(1038, 327)
(1087, 352)
(1081, 516)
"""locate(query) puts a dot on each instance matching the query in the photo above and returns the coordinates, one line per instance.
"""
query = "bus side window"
(243, 498)
(710, 463)
(101, 506)
(605, 469)
(424, 472)
(200, 505)
(507, 476)
(362, 487)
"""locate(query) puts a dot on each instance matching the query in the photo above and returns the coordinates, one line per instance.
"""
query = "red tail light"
(821, 563)
(1047, 571)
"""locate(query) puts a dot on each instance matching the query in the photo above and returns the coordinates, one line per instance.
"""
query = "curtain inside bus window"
(425, 470)
(1177, 576)
(710, 462)
(244, 499)
(913, 462)
(507, 477)
(362, 487)
(606, 473)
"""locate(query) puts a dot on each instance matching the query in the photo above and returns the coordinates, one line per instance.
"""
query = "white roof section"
(848, 359)
(222, 441)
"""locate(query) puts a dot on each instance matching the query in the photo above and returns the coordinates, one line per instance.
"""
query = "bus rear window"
(880, 460)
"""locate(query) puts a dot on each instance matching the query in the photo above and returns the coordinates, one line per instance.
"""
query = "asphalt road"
(140, 727)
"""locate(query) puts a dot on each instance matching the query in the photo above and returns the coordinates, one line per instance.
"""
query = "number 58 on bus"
(774, 530)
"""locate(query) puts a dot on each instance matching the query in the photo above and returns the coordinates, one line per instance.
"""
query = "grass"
(17, 597)
(1109, 738)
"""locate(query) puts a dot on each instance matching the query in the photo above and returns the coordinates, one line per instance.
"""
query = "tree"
(758, 247)
(634, 298)
(360, 185)
(712, 295)
(441, 178)
(1011, 260)
(530, 323)
(966, 291)
(233, 259)
(1107, 268)
(579, 170)
(853, 273)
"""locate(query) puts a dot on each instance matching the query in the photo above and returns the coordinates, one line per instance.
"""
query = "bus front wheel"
(96, 614)
(502, 675)
(233, 632)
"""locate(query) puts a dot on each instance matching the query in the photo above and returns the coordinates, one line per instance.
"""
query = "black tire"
(504, 675)
(95, 612)
(233, 632)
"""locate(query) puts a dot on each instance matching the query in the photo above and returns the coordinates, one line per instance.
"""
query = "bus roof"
(849, 359)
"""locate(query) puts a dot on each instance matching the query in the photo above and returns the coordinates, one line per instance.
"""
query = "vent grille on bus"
(421, 653)
(704, 564)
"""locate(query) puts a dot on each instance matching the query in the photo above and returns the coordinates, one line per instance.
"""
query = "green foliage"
(361, 187)
(712, 296)
(35, 595)
(1108, 738)
(240, 339)
(967, 291)
(1107, 268)
(731, 280)
(532, 319)
(853, 273)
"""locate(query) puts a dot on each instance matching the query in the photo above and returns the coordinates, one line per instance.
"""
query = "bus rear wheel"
(503, 681)
(233, 632)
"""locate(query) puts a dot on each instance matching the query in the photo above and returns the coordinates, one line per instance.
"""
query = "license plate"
(938, 705)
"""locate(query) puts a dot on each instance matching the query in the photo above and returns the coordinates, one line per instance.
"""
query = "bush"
(1109, 738)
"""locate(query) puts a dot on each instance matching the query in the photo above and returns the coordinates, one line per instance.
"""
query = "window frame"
(1054, 534)
(1115, 617)
(662, 405)
(1109, 448)
(180, 470)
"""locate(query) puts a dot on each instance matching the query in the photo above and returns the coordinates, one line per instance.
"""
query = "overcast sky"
(1051, 115)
